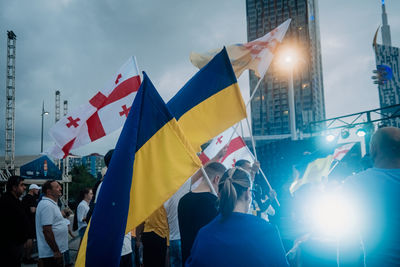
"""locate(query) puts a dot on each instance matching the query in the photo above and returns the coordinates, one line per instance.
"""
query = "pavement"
(73, 244)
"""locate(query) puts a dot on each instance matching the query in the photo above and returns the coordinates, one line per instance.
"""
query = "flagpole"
(262, 173)
(255, 89)
(333, 167)
(208, 181)
(252, 139)
(241, 128)
(270, 187)
(247, 104)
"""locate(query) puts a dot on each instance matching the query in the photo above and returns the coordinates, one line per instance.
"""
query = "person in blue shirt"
(376, 198)
(235, 238)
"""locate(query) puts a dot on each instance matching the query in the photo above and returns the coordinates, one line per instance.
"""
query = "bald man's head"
(385, 146)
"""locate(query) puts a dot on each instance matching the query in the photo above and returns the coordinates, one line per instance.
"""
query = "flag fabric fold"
(151, 161)
(104, 113)
(210, 102)
(255, 55)
(315, 172)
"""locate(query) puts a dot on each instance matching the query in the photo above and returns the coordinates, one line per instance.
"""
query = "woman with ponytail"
(235, 238)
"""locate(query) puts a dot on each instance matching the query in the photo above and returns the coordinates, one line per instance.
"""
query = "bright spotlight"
(333, 215)
(330, 137)
(287, 58)
(361, 132)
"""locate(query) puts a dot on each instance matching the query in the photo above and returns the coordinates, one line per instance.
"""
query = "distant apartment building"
(94, 163)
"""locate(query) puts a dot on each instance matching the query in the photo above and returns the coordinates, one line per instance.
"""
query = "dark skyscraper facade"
(270, 106)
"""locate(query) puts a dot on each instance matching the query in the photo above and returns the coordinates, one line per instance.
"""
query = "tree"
(81, 179)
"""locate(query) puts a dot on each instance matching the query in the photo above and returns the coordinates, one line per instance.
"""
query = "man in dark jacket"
(14, 223)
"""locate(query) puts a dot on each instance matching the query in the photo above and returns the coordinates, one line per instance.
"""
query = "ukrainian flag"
(151, 161)
(316, 172)
(210, 102)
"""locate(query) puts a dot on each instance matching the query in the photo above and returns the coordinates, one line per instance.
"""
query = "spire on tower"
(386, 39)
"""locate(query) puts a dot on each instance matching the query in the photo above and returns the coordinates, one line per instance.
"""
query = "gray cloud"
(76, 46)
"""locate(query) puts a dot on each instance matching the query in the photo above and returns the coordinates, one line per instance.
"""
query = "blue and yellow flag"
(316, 172)
(210, 102)
(151, 161)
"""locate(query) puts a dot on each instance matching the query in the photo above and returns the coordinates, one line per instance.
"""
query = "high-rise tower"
(270, 108)
(387, 60)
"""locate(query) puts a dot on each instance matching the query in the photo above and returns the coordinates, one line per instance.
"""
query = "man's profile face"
(55, 190)
(20, 189)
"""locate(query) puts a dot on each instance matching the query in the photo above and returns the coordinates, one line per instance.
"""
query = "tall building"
(387, 58)
(269, 107)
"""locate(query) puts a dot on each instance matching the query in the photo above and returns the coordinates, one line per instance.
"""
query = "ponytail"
(233, 184)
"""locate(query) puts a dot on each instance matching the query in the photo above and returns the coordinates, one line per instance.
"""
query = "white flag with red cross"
(256, 55)
(341, 151)
(237, 149)
(103, 114)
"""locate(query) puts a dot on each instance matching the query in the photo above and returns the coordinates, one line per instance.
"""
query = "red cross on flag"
(341, 151)
(237, 149)
(104, 113)
(255, 55)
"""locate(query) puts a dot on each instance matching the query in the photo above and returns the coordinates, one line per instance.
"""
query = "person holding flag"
(239, 155)
(198, 207)
(171, 207)
(262, 202)
(235, 238)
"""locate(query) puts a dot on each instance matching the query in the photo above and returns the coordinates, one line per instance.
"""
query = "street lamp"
(289, 60)
(43, 113)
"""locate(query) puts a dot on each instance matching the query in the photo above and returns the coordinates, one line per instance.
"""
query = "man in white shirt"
(51, 230)
(82, 210)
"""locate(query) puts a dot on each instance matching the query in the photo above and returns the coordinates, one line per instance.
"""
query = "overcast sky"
(76, 47)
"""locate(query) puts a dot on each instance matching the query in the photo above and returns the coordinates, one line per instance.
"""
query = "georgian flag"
(256, 55)
(237, 149)
(104, 113)
(341, 151)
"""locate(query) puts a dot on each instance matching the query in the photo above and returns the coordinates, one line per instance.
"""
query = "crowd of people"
(219, 217)
(33, 218)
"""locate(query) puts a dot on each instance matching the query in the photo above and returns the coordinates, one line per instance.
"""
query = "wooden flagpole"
(205, 176)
